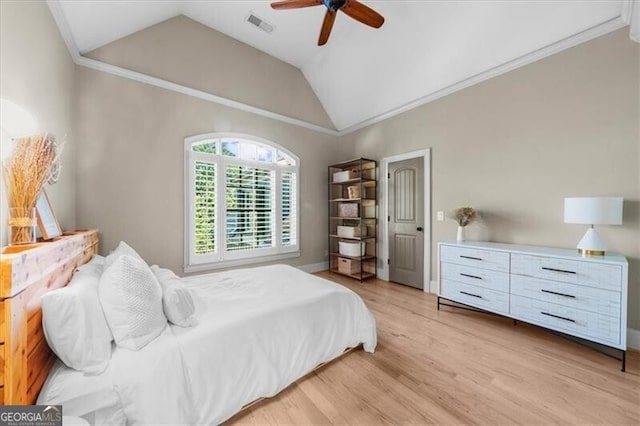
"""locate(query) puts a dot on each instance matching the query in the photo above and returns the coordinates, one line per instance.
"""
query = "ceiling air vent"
(264, 26)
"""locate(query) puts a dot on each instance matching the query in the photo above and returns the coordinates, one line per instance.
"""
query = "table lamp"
(593, 211)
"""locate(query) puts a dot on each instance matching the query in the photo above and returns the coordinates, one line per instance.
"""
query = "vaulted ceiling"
(424, 49)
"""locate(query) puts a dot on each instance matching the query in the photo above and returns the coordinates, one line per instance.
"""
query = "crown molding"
(78, 59)
(65, 30)
(174, 87)
(582, 37)
(625, 13)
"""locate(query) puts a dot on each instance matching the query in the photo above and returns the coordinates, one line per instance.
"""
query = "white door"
(406, 214)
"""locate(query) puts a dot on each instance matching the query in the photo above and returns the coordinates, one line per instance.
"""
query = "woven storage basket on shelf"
(347, 210)
(353, 191)
(352, 231)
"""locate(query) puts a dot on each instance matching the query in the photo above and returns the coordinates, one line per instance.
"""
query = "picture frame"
(47, 221)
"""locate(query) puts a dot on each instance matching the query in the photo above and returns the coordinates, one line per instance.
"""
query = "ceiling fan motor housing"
(334, 5)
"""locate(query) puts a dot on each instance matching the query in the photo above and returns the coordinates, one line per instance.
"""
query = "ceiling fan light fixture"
(260, 23)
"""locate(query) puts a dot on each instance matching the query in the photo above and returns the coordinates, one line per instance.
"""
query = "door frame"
(425, 154)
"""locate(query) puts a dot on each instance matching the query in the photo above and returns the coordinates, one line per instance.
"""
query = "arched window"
(241, 200)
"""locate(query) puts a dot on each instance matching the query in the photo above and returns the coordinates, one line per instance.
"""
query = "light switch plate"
(440, 216)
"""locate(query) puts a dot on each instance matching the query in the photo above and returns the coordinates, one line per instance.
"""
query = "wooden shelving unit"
(353, 218)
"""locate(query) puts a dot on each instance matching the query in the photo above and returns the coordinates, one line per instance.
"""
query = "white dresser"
(556, 289)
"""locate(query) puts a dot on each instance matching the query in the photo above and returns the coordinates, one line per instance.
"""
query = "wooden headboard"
(26, 273)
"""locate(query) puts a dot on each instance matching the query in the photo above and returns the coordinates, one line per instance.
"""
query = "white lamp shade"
(593, 210)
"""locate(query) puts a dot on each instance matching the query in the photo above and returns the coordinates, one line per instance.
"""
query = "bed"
(257, 331)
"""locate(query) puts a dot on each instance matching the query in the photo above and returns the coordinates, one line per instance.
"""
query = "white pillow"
(75, 326)
(165, 276)
(92, 271)
(177, 301)
(122, 250)
(95, 266)
(131, 298)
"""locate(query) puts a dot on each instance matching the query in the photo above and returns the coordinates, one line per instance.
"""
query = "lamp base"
(591, 244)
(585, 252)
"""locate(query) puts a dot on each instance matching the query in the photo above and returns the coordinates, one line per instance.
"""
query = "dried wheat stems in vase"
(25, 173)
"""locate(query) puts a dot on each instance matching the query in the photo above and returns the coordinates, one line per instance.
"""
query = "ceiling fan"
(352, 8)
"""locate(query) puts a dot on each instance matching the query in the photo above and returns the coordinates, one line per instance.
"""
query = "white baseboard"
(314, 267)
(433, 287)
(633, 338)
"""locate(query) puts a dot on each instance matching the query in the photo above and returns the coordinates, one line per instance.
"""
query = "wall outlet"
(440, 216)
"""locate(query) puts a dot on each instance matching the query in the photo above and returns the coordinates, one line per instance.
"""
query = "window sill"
(238, 262)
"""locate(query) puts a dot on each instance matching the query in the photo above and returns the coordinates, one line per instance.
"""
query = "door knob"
(419, 228)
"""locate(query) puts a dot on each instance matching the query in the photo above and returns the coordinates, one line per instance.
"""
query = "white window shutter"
(250, 208)
(204, 208)
(288, 205)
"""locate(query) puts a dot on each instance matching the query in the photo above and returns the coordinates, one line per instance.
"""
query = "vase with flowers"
(464, 216)
(25, 174)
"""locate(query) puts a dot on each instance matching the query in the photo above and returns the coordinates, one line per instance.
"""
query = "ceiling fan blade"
(362, 13)
(327, 24)
(295, 4)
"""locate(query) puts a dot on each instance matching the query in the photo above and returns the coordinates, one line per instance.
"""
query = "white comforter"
(258, 331)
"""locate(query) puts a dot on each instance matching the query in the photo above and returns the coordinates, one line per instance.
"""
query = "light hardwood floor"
(456, 367)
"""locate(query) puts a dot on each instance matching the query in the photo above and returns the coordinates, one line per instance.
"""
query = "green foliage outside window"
(205, 208)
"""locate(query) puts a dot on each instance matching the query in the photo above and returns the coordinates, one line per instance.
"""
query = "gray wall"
(37, 73)
(131, 168)
(514, 146)
(186, 52)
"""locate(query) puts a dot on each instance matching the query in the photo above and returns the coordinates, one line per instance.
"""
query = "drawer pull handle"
(471, 276)
(558, 270)
(471, 257)
(471, 294)
(557, 316)
(558, 294)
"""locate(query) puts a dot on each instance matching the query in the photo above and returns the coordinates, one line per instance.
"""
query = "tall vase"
(22, 226)
(460, 236)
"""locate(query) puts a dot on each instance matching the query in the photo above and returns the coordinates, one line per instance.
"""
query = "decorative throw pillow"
(177, 301)
(122, 249)
(131, 298)
(75, 326)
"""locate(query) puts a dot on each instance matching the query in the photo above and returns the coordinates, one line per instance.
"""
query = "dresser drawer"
(578, 272)
(599, 328)
(490, 300)
(484, 278)
(590, 299)
(479, 258)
